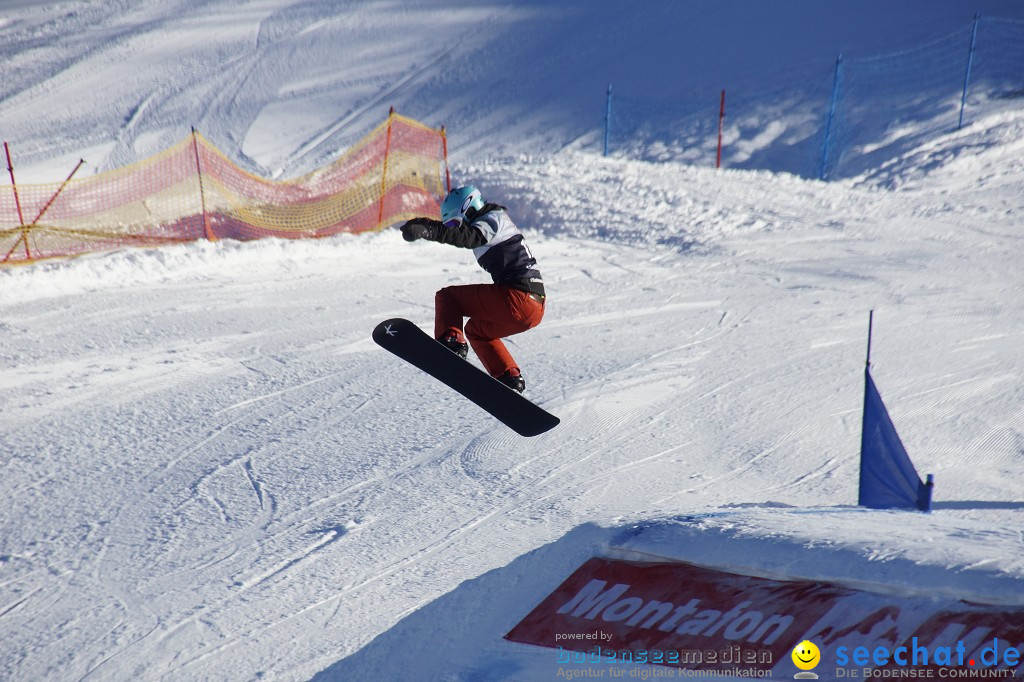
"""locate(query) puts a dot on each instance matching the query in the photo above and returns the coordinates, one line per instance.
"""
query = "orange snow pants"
(494, 311)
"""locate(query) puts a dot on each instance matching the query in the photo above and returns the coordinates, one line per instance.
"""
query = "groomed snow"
(211, 472)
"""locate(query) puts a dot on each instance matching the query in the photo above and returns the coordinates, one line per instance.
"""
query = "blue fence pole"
(831, 117)
(967, 76)
(607, 118)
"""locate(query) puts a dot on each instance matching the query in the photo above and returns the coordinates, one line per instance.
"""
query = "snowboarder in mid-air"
(513, 304)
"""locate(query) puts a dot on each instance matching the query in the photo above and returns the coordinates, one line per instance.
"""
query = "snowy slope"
(289, 83)
(211, 472)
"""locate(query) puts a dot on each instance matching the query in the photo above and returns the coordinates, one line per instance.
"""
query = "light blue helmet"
(462, 203)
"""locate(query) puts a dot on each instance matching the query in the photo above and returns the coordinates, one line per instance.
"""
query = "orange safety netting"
(192, 191)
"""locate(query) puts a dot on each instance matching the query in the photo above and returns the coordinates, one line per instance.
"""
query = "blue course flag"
(888, 479)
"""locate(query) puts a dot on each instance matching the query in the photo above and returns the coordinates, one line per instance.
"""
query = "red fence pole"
(59, 190)
(447, 175)
(721, 118)
(202, 192)
(14, 185)
(384, 173)
(17, 202)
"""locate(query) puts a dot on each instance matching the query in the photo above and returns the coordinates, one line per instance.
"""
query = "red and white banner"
(611, 611)
(676, 614)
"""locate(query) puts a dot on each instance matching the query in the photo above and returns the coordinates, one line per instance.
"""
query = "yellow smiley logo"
(806, 655)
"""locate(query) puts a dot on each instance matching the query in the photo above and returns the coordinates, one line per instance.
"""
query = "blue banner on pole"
(888, 479)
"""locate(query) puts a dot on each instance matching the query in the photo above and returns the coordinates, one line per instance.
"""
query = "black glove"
(421, 228)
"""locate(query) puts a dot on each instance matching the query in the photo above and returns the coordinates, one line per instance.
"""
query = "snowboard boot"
(513, 378)
(452, 343)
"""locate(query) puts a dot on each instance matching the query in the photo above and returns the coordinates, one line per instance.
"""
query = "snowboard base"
(410, 343)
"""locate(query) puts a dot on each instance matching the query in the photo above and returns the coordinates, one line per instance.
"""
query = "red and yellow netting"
(192, 191)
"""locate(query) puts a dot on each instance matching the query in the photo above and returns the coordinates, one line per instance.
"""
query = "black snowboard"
(409, 342)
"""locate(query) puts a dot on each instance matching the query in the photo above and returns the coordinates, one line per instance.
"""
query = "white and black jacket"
(498, 245)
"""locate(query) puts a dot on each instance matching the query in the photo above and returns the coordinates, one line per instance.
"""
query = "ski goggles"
(453, 222)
